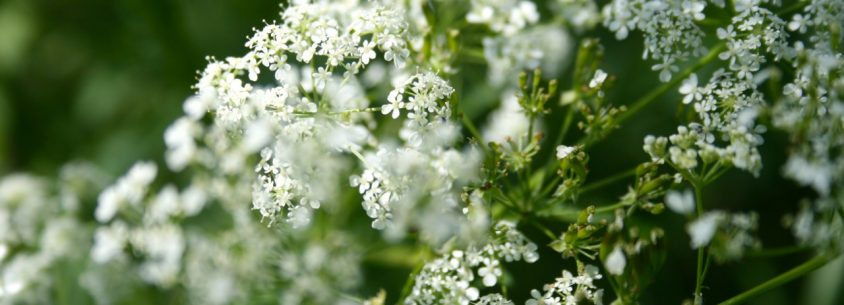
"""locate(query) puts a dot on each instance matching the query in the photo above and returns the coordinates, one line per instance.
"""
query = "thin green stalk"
(699, 200)
(608, 180)
(701, 250)
(649, 98)
(609, 208)
(550, 188)
(793, 8)
(796, 272)
(408, 285)
(774, 252)
(731, 7)
(543, 228)
(473, 130)
(566, 125)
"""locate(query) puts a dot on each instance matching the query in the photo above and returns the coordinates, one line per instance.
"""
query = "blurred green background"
(100, 80)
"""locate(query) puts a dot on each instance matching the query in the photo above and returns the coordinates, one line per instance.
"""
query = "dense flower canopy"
(340, 137)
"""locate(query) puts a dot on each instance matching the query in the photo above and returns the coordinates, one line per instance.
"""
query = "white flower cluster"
(671, 35)
(335, 31)
(318, 267)
(822, 16)
(811, 111)
(728, 104)
(511, 47)
(408, 188)
(493, 299)
(508, 121)
(508, 55)
(22, 202)
(132, 219)
(448, 279)
(570, 289)
(301, 124)
(427, 96)
(162, 240)
(129, 190)
(728, 235)
(40, 231)
(507, 17)
(581, 15)
(753, 33)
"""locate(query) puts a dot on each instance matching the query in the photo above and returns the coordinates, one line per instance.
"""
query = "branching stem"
(796, 272)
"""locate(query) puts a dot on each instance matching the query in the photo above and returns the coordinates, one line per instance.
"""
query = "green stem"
(796, 272)
(776, 251)
(609, 208)
(654, 94)
(408, 285)
(550, 187)
(566, 124)
(473, 130)
(731, 8)
(700, 251)
(793, 8)
(608, 181)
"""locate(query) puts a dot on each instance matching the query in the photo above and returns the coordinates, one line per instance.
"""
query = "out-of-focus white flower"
(703, 228)
(508, 121)
(616, 261)
(598, 79)
(129, 189)
(564, 152)
(680, 202)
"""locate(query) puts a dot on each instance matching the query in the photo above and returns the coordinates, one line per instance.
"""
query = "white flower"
(129, 189)
(564, 151)
(665, 69)
(367, 51)
(109, 242)
(680, 202)
(321, 76)
(703, 228)
(508, 121)
(395, 104)
(817, 174)
(616, 261)
(258, 134)
(690, 90)
(598, 79)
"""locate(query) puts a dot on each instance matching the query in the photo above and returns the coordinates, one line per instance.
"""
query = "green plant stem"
(774, 252)
(566, 125)
(731, 7)
(608, 180)
(649, 98)
(473, 130)
(793, 8)
(796, 272)
(545, 230)
(700, 251)
(551, 187)
(609, 208)
(408, 285)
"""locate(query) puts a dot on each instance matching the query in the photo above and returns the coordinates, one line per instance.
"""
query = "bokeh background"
(100, 80)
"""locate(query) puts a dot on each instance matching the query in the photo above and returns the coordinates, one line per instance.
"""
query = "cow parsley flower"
(680, 202)
(563, 151)
(616, 261)
(503, 16)
(671, 35)
(493, 299)
(570, 289)
(130, 189)
(727, 235)
(448, 279)
(509, 55)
